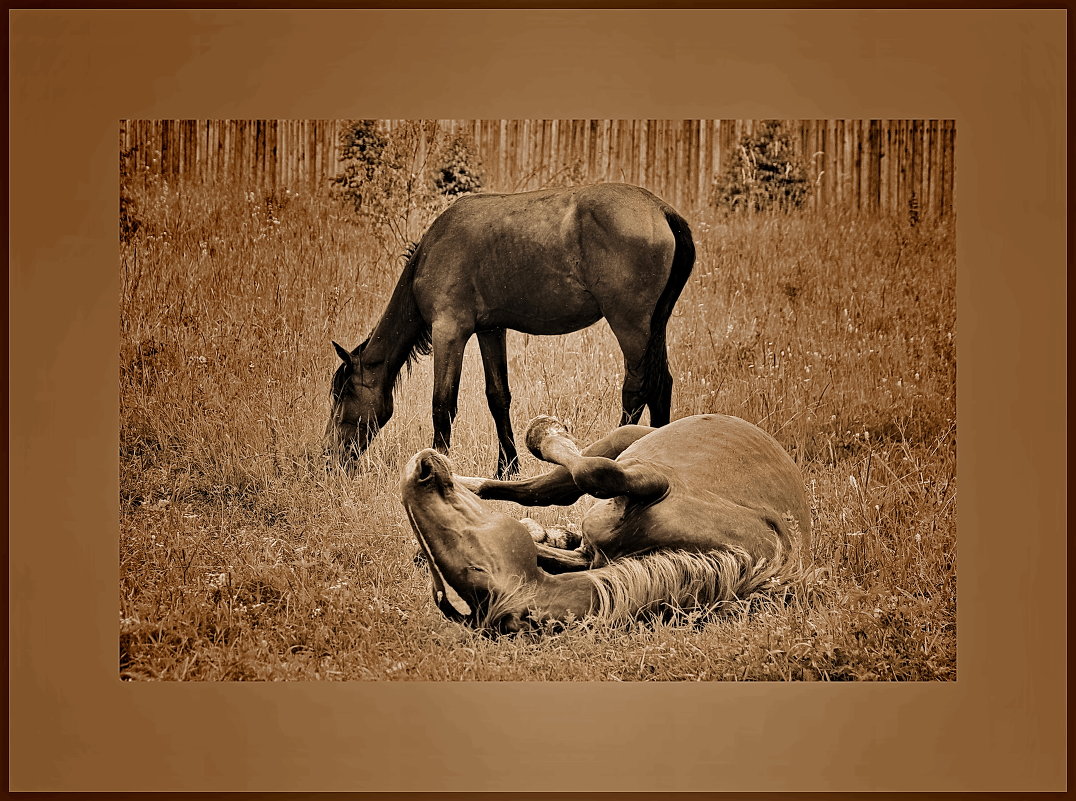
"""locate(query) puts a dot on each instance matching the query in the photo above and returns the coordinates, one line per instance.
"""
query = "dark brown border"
(1001, 726)
(565, 5)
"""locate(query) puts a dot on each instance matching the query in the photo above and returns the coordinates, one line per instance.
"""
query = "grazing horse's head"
(361, 405)
(482, 562)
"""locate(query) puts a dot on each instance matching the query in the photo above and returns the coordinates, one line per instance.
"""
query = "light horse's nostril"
(425, 470)
(429, 469)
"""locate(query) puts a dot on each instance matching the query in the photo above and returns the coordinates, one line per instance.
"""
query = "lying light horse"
(705, 510)
(547, 262)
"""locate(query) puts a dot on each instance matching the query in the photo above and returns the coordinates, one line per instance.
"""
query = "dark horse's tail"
(656, 376)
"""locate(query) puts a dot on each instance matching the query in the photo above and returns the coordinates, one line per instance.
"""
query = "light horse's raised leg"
(557, 487)
(599, 476)
(499, 398)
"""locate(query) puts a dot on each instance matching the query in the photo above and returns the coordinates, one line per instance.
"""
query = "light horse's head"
(483, 564)
(361, 405)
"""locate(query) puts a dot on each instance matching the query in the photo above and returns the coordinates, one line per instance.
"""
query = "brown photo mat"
(999, 74)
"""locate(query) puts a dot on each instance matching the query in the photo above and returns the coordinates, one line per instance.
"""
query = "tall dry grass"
(242, 558)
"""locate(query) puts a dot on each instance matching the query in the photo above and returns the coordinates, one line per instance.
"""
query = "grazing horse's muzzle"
(345, 443)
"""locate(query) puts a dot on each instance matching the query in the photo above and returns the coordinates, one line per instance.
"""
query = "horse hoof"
(535, 529)
(540, 429)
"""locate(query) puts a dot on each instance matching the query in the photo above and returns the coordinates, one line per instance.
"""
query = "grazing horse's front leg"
(449, 342)
(495, 364)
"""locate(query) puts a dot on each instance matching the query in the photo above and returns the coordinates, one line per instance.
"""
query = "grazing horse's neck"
(400, 331)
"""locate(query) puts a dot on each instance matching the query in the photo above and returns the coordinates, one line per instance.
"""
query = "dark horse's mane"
(423, 344)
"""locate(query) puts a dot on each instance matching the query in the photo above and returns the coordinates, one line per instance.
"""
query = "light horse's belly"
(615, 529)
(731, 485)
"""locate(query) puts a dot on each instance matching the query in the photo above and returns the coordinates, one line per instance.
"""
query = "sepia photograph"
(483, 400)
(538, 400)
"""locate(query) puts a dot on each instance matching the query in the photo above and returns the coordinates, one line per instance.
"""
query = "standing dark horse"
(546, 262)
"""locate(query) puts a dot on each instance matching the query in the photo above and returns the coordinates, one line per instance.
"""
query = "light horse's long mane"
(671, 581)
(668, 582)
(505, 605)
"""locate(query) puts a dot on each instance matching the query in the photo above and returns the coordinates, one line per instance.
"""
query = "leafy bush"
(401, 179)
(362, 150)
(765, 173)
(457, 174)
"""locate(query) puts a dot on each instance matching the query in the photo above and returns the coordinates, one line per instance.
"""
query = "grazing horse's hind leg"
(657, 379)
(633, 338)
(495, 364)
(647, 380)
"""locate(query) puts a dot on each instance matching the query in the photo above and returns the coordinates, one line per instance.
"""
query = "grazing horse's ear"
(343, 354)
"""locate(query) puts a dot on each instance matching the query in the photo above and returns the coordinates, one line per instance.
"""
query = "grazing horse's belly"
(537, 297)
(539, 318)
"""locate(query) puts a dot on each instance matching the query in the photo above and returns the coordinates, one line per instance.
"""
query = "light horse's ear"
(343, 354)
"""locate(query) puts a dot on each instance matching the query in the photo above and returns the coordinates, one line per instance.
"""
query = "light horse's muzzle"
(478, 557)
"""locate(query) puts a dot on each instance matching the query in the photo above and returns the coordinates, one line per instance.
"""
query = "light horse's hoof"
(540, 429)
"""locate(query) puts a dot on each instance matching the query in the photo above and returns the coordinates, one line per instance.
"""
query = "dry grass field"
(242, 558)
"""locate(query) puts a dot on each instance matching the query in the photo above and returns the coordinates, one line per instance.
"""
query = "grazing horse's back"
(546, 262)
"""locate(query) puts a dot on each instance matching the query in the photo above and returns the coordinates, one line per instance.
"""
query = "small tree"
(765, 173)
(457, 174)
(398, 180)
(362, 149)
